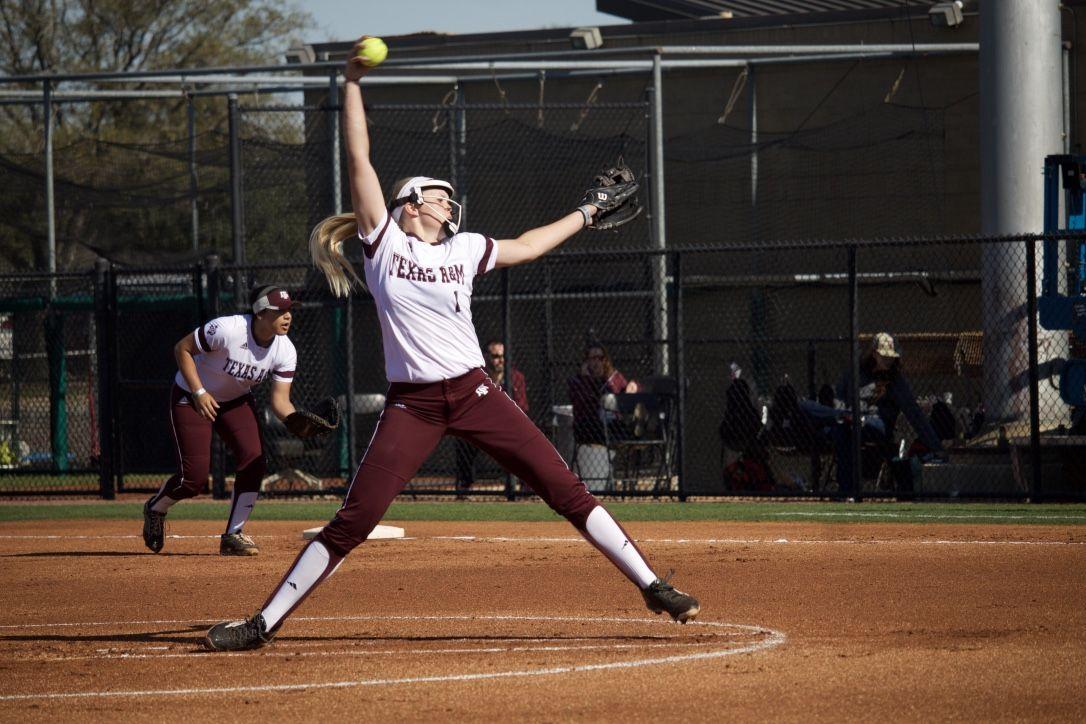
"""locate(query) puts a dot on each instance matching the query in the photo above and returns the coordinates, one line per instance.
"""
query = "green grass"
(48, 480)
(812, 512)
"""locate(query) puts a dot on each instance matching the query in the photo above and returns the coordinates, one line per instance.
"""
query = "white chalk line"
(360, 617)
(927, 516)
(767, 541)
(361, 643)
(368, 652)
(114, 537)
(669, 541)
(773, 639)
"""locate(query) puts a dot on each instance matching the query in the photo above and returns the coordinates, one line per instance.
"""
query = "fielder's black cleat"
(661, 596)
(251, 633)
(154, 525)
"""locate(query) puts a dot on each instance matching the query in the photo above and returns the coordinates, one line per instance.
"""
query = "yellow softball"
(373, 52)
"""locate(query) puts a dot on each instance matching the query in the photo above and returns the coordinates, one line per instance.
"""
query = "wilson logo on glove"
(614, 194)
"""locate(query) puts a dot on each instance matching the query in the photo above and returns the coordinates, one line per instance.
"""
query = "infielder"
(218, 365)
(420, 269)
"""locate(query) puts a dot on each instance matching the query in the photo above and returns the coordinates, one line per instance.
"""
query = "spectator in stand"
(466, 453)
(595, 419)
(885, 394)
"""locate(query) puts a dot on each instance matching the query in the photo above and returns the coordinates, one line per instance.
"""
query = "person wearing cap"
(885, 394)
(420, 267)
(218, 365)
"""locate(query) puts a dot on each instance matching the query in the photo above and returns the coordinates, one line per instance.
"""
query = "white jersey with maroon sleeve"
(423, 295)
(231, 362)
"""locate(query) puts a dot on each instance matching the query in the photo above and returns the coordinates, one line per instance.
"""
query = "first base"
(381, 531)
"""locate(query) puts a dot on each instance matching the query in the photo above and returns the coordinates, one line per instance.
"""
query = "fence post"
(214, 282)
(507, 382)
(548, 326)
(58, 388)
(452, 121)
(659, 225)
(50, 201)
(680, 373)
(212, 271)
(462, 155)
(339, 323)
(236, 216)
(103, 347)
(352, 430)
(193, 185)
(812, 394)
(812, 385)
(113, 311)
(333, 138)
(854, 366)
(1036, 493)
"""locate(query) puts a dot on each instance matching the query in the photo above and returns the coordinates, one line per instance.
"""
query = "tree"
(119, 166)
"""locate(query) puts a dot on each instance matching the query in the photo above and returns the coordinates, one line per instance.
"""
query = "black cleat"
(251, 633)
(661, 596)
(154, 525)
(237, 544)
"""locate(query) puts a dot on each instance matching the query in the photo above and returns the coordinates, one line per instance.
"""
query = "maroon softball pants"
(237, 426)
(471, 407)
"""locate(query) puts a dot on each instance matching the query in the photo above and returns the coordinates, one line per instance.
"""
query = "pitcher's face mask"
(426, 191)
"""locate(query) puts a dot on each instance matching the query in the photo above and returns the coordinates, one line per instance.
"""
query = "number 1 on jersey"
(456, 297)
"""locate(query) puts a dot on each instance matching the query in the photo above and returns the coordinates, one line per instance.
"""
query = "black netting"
(131, 194)
(828, 182)
(509, 172)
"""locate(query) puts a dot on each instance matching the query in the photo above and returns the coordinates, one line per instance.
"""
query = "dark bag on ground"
(906, 473)
(741, 422)
(750, 474)
(943, 422)
(788, 425)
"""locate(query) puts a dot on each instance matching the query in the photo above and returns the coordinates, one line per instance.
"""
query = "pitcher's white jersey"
(423, 296)
(231, 362)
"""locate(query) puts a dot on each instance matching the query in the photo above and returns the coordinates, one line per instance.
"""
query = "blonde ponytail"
(326, 249)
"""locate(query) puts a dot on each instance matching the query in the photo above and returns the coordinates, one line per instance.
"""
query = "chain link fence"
(178, 193)
(50, 418)
(667, 374)
(512, 166)
(690, 371)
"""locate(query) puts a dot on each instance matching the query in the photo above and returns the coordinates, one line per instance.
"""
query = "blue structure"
(1066, 311)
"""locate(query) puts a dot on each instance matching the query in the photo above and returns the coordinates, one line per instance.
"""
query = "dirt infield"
(524, 621)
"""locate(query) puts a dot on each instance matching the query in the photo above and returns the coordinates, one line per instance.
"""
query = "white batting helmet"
(412, 193)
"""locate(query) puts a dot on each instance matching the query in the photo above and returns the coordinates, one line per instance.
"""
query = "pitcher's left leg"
(494, 423)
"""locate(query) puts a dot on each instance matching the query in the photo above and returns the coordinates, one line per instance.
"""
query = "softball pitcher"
(420, 268)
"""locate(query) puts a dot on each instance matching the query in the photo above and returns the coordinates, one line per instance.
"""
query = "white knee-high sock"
(240, 509)
(602, 531)
(163, 504)
(313, 566)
